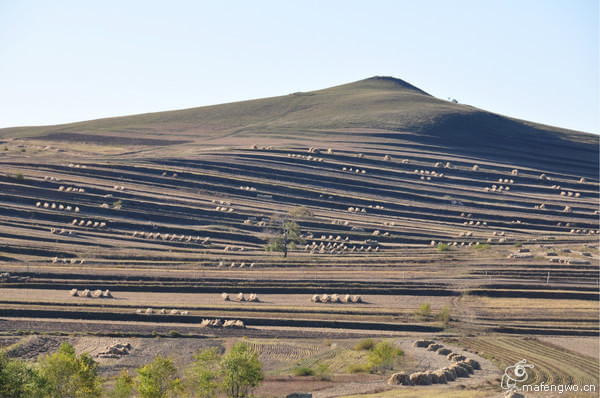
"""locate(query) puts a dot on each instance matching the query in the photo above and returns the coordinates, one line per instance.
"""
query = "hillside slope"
(383, 107)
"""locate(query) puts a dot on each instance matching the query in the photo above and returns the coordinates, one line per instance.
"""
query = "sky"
(65, 61)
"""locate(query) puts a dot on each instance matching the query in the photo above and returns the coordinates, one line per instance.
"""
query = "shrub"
(124, 386)
(424, 311)
(241, 371)
(174, 333)
(518, 244)
(382, 356)
(5, 148)
(364, 345)
(355, 368)
(444, 315)
(303, 371)
(481, 246)
(443, 247)
(323, 372)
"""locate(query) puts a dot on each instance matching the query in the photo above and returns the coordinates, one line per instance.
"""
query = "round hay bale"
(97, 293)
(465, 365)
(456, 357)
(73, 292)
(459, 370)
(240, 297)
(324, 298)
(434, 347)
(225, 296)
(438, 377)
(356, 299)
(444, 351)
(315, 298)
(449, 374)
(423, 343)
(474, 364)
(399, 378)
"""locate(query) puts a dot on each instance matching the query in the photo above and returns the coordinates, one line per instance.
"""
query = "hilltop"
(380, 108)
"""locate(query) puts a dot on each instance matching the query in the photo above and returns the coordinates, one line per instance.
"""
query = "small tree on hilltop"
(284, 230)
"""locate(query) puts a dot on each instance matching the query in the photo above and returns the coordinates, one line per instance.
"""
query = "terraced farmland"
(412, 200)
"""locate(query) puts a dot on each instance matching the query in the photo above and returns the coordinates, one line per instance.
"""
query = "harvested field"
(487, 242)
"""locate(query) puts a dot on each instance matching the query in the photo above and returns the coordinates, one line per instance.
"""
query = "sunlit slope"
(384, 107)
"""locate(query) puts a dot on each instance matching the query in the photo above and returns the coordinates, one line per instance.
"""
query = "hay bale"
(149, 311)
(423, 343)
(459, 370)
(456, 357)
(315, 298)
(225, 296)
(438, 377)
(466, 366)
(399, 378)
(234, 324)
(84, 293)
(174, 312)
(335, 298)
(346, 298)
(107, 294)
(474, 364)
(449, 374)
(73, 292)
(216, 323)
(356, 299)
(325, 298)
(434, 347)
(443, 351)
(97, 293)
(252, 297)
(240, 297)
(420, 379)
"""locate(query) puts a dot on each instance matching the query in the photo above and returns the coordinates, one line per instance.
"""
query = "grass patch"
(481, 246)
(302, 371)
(443, 247)
(364, 345)
(355, 368)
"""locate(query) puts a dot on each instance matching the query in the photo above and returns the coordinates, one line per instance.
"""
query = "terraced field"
(412, 200)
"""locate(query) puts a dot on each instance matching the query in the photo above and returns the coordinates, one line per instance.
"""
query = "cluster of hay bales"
(50, 178)
(309, 157)
(61, 231)
(427, 174)
(334, 298)
(462, 367)
(227, 324)
(62, 188)
(119, 188)
(115, 351)
(88, 223)
(240, 297)
(247, 188)
(91, 293)
(519, 255)
(67, 260)
(354, 170)
(77, 166)
(314, 150)
(150, 311)
(352, 209)
(55, 206)
(171, 237)
(495, 188)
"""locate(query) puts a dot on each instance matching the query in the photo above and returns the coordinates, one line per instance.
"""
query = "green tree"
(66, 375)
(241, 371)
(18, 378)
(124, 386)
(444, 315)
(203, 375)
(284, 231)
(158, 379)
(382, 356)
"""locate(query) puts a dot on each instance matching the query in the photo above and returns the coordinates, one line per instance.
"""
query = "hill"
(380, 107)
(409, 195)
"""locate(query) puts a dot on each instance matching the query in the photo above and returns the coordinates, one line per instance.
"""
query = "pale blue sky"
(63, 61)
